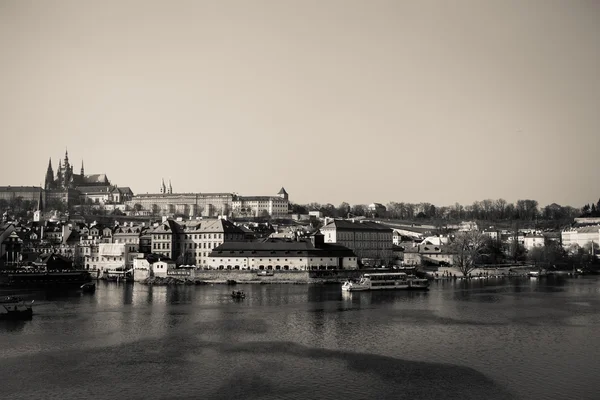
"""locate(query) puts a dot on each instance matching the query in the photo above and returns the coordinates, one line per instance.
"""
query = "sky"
(335, 100)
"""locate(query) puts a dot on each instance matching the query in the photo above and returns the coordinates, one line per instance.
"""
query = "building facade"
(190, 242)
(284, 255)
(370, 241)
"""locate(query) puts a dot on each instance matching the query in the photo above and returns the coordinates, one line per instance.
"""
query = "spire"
(163, 188)
(66, 156)
(170, 187)
(82, 167)
(49, 175)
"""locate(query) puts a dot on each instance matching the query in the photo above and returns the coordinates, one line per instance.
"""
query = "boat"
(238, 294)
(43, 278)
(231, 282)
(386, 281)
(537, 273)
(13, 308)
(88, 287)
(265, 273)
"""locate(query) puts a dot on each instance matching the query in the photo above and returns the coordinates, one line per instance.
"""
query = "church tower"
(82, 168)
(49, 181)
(163, 188)
(170, 187)
(59, 175)
(68, 171)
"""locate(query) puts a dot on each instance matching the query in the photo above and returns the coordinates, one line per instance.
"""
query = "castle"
(71, 188)
(67, 179)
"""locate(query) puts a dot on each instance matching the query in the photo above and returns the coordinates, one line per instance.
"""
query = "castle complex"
(70, 188)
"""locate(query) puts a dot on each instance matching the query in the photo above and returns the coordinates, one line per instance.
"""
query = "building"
(190, 242)
(72, 188)
(427, 254)
(533, 240)
(10, 245)
(105, 257)
(580, 236)
(258, 206)
(370, 241)
(129, 235)
(209, 204)
(492, 233)
(284, 255)
(12, 194)
(161, 268)
(185, 204)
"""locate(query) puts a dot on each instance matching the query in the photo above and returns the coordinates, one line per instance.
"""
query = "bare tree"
(468, 248)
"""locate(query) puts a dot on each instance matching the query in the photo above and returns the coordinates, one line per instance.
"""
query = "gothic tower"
(82, 168)
(59, 175)
(68, 171)
(170, 187)
(163, 188)
(49, 181)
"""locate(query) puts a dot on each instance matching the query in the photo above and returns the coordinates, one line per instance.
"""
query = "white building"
(106, 256)
(532, 241)
(160, 269)
(256, 206)
(141, 269)
(580, 236)
(285, 255)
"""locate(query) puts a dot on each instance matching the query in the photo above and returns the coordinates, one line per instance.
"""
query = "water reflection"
(519, 333)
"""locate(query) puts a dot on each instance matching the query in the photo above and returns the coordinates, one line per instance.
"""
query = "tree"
(264, 214)
(137, 207)
(358, 209)
(468, 248)
(343, 210)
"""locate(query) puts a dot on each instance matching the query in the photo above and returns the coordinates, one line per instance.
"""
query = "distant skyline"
(335, 100)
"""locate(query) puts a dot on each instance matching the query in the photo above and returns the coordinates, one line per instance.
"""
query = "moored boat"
(386, 281)
(14, 309)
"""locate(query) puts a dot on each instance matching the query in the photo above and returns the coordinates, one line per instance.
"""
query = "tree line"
(487, 210)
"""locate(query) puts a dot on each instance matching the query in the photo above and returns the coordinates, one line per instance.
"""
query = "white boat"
(537, 274)
(386, 281)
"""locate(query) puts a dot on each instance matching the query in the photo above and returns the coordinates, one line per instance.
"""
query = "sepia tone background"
(336, 100)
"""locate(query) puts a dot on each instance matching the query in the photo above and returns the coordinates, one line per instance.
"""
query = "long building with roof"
(580, 236)
(211, 204)
(284, 255)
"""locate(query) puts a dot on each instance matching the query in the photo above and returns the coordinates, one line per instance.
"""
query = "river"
(494, 339)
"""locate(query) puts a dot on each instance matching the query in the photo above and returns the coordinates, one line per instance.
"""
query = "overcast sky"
(357, 101)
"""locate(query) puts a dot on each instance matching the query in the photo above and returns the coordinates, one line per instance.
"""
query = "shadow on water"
(12, 326)
(187, 368)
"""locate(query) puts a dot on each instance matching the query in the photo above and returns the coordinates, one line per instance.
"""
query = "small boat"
(88, 287)
(231, 282)
(14, 309)
(238, 294)
(265, 273)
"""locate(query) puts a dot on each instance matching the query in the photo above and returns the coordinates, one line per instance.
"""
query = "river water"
(495, 339)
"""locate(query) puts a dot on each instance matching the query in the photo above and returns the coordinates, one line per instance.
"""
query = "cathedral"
(66, 179)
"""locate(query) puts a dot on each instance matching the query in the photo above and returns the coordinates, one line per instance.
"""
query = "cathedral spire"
(170, 187)
(82, 168)
(163, 188)
(49, 175)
